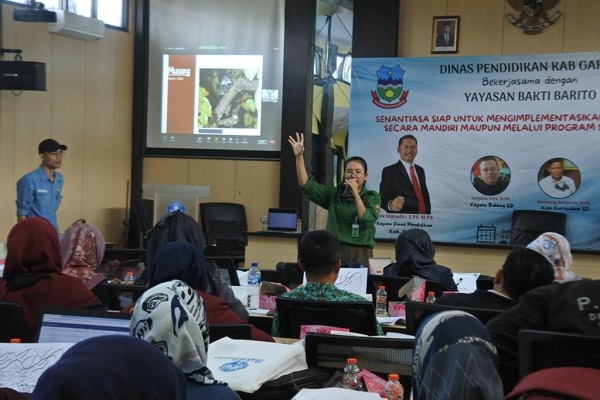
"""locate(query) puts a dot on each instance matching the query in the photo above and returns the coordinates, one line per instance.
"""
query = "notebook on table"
(282, 220)
(72, 326)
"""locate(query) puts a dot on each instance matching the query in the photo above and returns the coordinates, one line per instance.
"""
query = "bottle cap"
(393, 377)
(382, 287)
(431, 293)
(352, 361)
(15, 340)
(255, 264)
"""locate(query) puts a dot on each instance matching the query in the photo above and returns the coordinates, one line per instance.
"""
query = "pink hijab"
(555, 247)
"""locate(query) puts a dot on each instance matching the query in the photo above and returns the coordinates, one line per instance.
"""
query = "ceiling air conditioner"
(77, 26)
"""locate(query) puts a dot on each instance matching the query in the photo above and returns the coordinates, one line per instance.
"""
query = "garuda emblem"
(534, 16)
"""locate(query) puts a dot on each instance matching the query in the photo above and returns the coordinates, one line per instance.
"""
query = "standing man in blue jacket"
(39, 192)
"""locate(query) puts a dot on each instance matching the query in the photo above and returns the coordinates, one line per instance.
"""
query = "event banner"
(490, 135)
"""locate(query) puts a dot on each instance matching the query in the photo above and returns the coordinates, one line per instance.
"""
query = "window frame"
(63, 5)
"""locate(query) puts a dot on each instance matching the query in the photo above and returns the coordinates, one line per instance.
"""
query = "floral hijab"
(172, 317)
(82, 248)
(555, 247)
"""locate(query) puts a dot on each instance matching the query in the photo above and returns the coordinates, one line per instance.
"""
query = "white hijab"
(172, 317)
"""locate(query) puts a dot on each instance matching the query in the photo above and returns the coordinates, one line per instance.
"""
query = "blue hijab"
(111, 367)
(454, 358)
(180, 260)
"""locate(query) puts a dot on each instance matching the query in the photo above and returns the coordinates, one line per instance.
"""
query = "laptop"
(282, 220)
(72, 326)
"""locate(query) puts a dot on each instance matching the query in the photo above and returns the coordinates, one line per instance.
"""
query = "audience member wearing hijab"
(414, 256)
(171, 316)
(555, 247)
(454, 358)
(33, 277)
(193, 268)
(82, 247)
(184, 261)
(111, 367)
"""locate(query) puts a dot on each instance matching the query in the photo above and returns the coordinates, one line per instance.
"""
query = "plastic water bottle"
(381, 302)
(430, 299)
(393, 388)
(129, 279)
(254, 280)
(299, 226)
(350, 379)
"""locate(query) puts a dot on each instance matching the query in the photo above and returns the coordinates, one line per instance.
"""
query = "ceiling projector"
(34, 15)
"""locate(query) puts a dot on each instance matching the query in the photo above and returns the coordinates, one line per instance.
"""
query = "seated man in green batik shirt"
(319, 258)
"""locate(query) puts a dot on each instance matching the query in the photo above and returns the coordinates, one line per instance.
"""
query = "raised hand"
(297, 143)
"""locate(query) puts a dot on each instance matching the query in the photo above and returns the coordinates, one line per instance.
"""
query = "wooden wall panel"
(87, 106)
(257, 187)
(416, 24)
(219, 175)
(581, 26)
(481, 26)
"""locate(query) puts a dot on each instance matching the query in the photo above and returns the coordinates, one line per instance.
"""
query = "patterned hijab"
(111, 367)
(172, 317)
(82, 248)
(555, 247)
(454, 358)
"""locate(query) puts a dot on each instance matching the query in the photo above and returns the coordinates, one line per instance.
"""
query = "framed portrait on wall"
(444, 38)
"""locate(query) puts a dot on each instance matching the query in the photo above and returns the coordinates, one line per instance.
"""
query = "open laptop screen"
(72, 326)
(282, 219)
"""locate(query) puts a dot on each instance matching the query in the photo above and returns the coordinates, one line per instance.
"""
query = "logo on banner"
(390, 87)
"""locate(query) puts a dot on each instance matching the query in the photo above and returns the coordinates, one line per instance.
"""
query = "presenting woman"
(353, 210)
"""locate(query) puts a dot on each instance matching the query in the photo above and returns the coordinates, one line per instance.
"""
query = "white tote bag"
(246, 364)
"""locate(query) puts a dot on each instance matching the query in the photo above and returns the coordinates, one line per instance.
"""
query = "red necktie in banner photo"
(415, 182)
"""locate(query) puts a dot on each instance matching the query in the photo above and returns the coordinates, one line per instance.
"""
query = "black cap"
(50, 146)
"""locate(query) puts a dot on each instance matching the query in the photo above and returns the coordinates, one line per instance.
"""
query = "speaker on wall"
(22, 75)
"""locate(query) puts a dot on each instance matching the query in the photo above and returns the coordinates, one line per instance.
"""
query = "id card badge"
(355, 229)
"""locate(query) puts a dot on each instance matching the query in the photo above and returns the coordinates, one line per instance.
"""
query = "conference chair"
(233, 331)
(224, 226)
(12, 323)
(143, 213)
(545, 349)
(358, 316)
(379, 355)
(292, 276)
(417, 312)
(227, 269)
(527, 225)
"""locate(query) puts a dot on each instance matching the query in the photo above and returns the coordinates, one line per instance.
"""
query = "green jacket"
(342, 214)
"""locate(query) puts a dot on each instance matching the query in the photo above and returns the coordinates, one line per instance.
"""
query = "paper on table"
(334, 393)
(23, 363)
(388, 320)
(258, 311)
(466, 282)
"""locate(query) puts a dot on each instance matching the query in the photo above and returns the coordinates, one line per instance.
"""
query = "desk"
(269, 248)
(265, 322)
